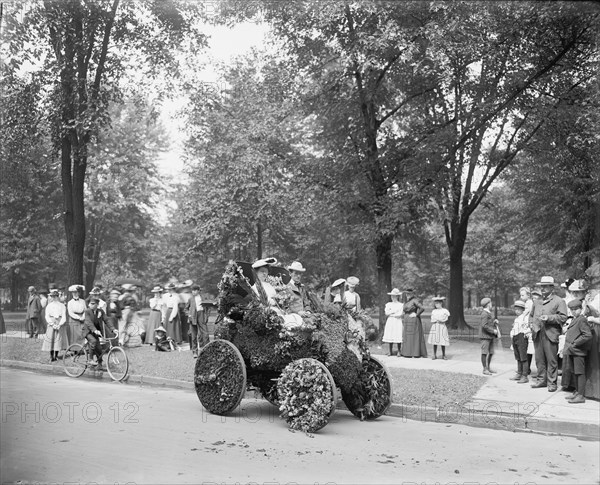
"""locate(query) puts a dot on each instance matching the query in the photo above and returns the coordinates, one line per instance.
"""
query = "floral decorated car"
(297, 362)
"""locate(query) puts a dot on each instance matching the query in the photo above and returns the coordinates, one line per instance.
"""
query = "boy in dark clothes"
(488, 331)
(577, 340)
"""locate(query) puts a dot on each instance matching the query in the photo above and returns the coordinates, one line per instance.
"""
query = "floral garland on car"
(306, 396)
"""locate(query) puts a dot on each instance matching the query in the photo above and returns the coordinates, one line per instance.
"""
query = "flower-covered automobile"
(297, 362)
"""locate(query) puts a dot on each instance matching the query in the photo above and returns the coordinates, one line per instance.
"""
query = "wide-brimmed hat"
(438, 298)
(169, 286)
(485, 301)
(114, 291)
(410, 289)
(160, 329)
(156, 289)
(568, 282)
(338, 282)
(576, 303)
(53, 292)
(297, 267)
(546, 281)
(75, 288)
(395, 292)
(187, 284)
(578, 285)
(31, 288)
(95, 291)
(519, 304)
(352, 281)
(259, 263)
(127, 286)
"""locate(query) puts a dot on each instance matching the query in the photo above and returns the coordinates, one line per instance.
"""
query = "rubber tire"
(75, 360)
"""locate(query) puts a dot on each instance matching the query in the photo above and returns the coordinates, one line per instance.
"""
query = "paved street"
(56, 429)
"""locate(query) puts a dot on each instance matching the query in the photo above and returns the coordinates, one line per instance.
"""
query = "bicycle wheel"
(117, 363)
(75, 360)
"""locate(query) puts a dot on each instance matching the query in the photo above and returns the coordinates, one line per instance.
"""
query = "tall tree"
(363, 80)
(122, 189)
(501, 70)
(82, 46)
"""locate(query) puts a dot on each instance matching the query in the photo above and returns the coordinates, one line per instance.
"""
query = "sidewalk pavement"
(499, 404)
(515, 406)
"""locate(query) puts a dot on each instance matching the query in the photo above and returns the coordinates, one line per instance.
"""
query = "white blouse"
(76, 309)
(394, 309)
(56, 313)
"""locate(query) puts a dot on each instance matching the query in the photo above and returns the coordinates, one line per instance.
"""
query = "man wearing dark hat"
(577, 340)
(546, 319)
(34, 310)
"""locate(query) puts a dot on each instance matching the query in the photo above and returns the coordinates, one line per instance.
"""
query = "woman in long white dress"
(56, 317)
(393, 325)
(438, 334)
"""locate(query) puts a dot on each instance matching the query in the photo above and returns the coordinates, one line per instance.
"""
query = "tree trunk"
(259, 240)
(455, 299)
(14, 289)
(383, 250)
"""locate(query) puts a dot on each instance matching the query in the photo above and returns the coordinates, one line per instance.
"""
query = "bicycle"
(78, 358)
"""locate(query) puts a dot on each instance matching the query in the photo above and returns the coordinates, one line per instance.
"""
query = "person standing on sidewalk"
(34, 310)
(76, 308)
(413, 337)
(438, 334)
(547, 319)
(56, 317)
(488, 331)
(518, 335)
(577, 346)
(198, 326)
(393, 325)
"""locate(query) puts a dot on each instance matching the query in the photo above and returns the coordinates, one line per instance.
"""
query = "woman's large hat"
(439, 298)
(53, 292)
(395, 292)
(577, 285)
(160, 329)
(338, 282)
(74, 288)
(156, 289)
(114, 291)
(296, 266)
(259, 263)
(95, 291)
(546, 281)
(352, 281)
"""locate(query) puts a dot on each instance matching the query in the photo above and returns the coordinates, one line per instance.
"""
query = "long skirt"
(173, 327)
(42, 325)
(185, 324)
(438, 335)
(53, 339)
(74, 331)
(592, 370)
(154, 321)
(2, 324)
(393, 330)
(413, 338)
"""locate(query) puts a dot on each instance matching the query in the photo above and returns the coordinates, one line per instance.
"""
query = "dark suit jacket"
(556, 309)
(93, 321)
(297, 301)
(487, 326)
(578, 338)
(34, 307)
(196, 314)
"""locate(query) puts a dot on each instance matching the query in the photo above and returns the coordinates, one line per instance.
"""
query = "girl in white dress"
(56, 317)
(393, 325)
(438, 335)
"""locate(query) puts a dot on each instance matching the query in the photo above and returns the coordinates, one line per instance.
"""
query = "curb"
(449, 414)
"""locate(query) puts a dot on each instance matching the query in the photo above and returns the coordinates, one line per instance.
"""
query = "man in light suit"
(198, 324)
(34, 311)
(546, 319)
(298, 291)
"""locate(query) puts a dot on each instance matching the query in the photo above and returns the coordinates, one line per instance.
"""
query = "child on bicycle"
(92, 328)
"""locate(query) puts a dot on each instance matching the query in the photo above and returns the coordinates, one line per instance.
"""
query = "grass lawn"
(411, 386)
